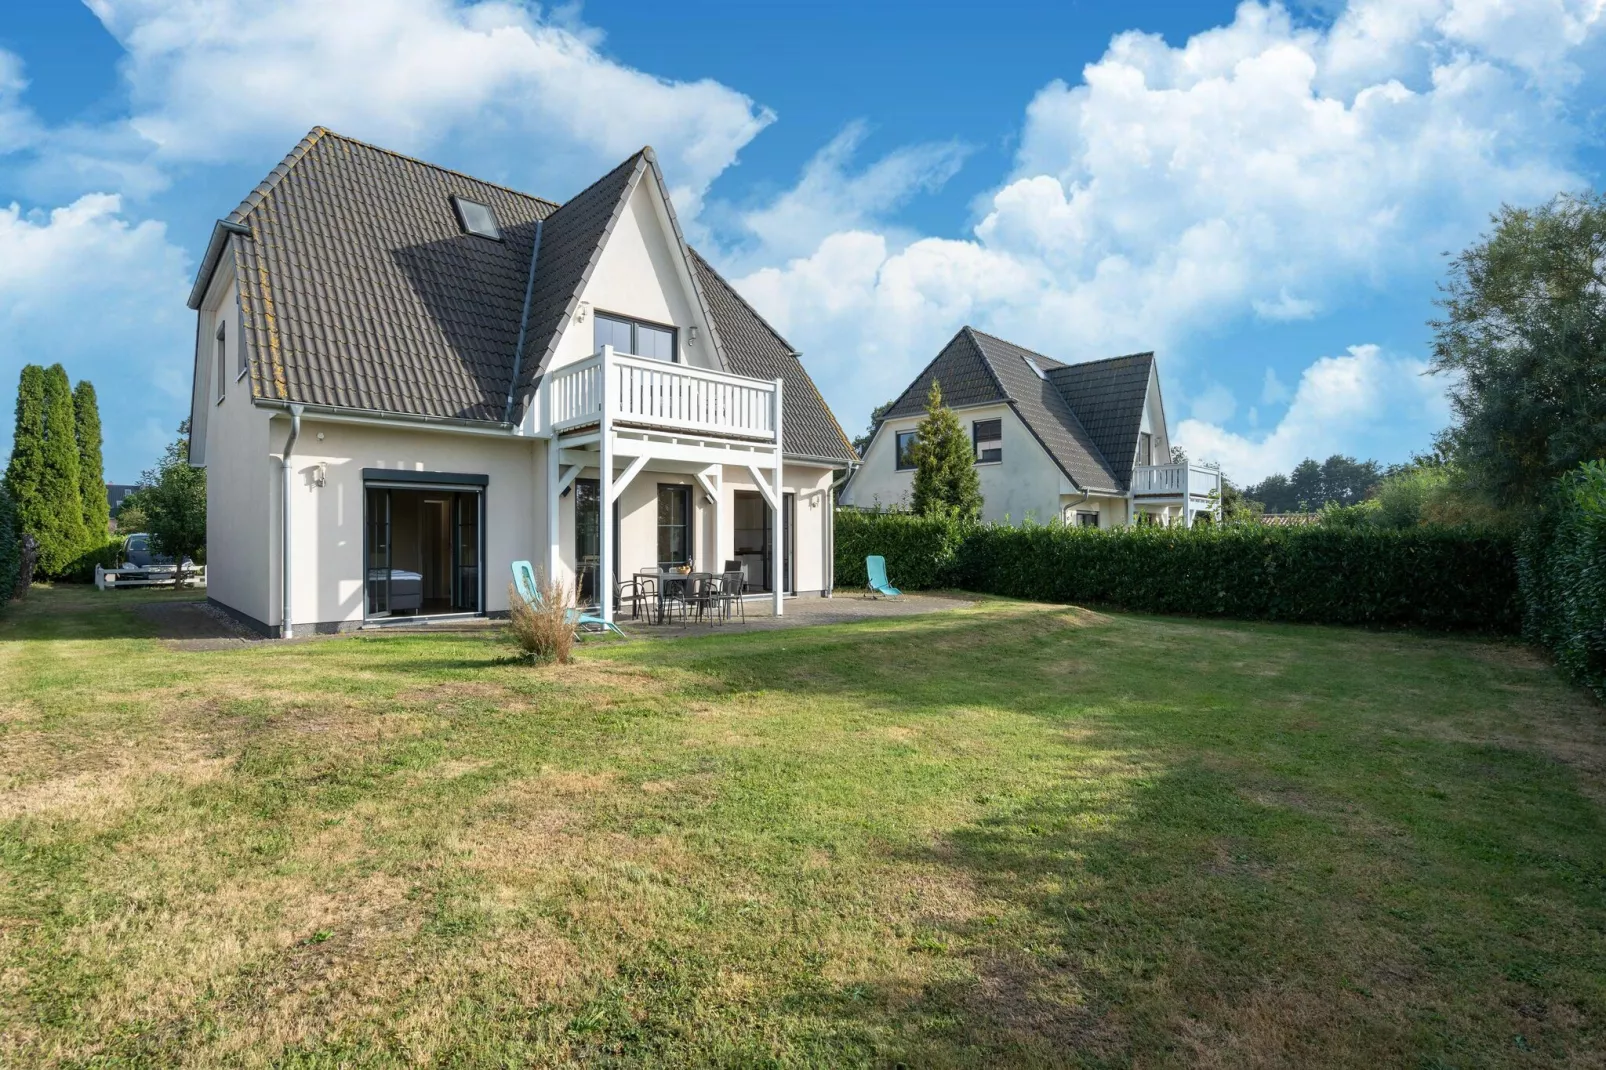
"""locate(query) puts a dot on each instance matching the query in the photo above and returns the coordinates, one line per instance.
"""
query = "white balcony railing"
(653, 393)
(1180, 479)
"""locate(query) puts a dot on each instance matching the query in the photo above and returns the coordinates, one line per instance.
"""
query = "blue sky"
(1259, 193)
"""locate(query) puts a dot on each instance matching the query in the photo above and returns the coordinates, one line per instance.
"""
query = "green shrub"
(1561, 567)
(1446, 578)
(82, 567)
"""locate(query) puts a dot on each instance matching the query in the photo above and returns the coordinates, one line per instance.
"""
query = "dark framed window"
(222, 359)
(1087, 520)
(674, 524)
(987, 438)
(638, 339)
(905, 443)
(1145, 448)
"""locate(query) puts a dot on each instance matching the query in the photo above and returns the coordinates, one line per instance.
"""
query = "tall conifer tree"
(945, 464)
(61, 516)
(91, 471)
(25, 470)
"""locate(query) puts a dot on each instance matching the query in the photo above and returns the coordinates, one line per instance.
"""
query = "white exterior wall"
(1026, 484)
(231, 439)
(327, 567)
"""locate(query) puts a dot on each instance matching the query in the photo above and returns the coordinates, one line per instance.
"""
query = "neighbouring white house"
(407, 379)
(1082, 443)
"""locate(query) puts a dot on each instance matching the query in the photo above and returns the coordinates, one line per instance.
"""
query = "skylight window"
(477, 218)
(1034, 366)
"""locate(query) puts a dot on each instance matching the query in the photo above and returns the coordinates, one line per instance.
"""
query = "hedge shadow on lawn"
(1216, 903)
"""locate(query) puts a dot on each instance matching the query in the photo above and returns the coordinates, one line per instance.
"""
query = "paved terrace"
(198, 626)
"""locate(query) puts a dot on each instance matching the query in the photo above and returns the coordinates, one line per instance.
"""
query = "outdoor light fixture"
(691, 336)
(320, 474)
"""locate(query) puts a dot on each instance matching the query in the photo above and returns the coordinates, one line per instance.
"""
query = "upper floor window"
(477, 218)
(635, 337)
(905, 450)
(987, 436)
(222, 359)
(1145, 448)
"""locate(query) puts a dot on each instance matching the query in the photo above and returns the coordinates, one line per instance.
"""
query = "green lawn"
(1011, 835)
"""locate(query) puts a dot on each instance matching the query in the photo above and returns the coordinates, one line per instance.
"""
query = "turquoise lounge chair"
(876, 566)
(524, 580)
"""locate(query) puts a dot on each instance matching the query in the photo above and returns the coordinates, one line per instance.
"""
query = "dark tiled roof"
(571, 241)
(360, 290)
(975, 368)
(963, 373)
(1046, 412)
(752, 347)
(1108, 395)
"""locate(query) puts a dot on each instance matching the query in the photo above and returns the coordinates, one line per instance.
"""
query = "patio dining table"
(663, 580)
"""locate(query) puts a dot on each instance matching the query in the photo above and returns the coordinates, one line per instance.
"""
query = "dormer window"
(477, 218)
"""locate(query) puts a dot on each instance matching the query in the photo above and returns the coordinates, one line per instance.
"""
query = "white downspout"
(285, 626)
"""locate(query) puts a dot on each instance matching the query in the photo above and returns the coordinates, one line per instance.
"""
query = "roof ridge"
(435, 166)
(1105, 360)
(1013, 345)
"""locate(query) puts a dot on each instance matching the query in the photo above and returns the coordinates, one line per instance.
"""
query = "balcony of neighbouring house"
(1190, 489)
(637, 392)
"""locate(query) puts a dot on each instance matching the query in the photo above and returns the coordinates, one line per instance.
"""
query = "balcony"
(624, 391)
(1181, 480)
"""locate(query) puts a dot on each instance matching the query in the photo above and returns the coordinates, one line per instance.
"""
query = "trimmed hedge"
(1561, 566)
(1443, 578)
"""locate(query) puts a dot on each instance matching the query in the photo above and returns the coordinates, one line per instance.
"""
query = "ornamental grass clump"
(542, 629)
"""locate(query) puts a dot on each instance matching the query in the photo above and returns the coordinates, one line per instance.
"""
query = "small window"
(1034, 366)
(674, 524)
(1145, 448)
(1087, 520)
(222, 360)
(635, 338)
(987, 436)
(477, 218)
(906, 450)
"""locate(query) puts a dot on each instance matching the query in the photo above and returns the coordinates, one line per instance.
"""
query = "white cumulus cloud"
(530, 100)
(1339, 400)
(85, 286)
(1262, 169)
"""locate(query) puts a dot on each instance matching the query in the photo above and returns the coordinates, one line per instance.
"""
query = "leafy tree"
(10, 546)
(877, 414)
(1314, 484)
(25, 470)
(1236, 508)
(91, 472)
(1524, 338)
(173, 496)
(945, 464)
(131, 514)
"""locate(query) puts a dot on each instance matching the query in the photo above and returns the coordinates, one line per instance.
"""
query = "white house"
(1082, 443)
(407, 378)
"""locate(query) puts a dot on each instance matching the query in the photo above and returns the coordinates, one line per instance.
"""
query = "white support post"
(554, 494)
(1187, 499)
(779, 500)
(605, 466)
